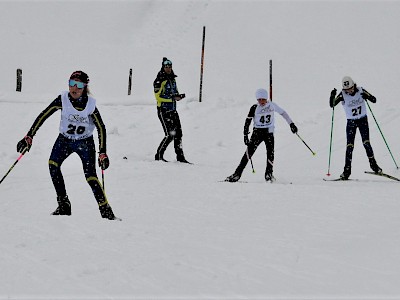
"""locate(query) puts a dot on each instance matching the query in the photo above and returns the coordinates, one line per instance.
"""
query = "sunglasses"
(349, 90)
(78, 84)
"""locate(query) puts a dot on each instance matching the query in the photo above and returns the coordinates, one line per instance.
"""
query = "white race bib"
(76, 124)
(354, 106)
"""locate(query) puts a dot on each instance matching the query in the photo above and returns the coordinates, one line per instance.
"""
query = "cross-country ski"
(383, 175)
(339, 179)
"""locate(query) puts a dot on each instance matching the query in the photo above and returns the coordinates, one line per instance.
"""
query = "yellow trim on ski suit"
(161, 90)
(52, 162)
(43, 117)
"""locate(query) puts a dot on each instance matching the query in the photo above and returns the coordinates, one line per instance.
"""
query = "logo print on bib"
(355, 102)
(78, 119)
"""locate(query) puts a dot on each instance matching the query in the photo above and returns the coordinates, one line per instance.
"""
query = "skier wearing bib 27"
(166, 93)
(79, 117)
(263, 118)
(353, 100)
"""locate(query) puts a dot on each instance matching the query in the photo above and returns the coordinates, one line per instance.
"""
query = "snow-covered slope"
(184, 234)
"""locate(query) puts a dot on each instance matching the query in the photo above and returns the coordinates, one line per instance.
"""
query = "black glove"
(179, 97)
(332, 97)
(368, 96)
(104, 162)
(25, 144)
(293, 128)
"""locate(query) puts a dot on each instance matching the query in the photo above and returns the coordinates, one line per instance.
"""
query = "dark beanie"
(82, 76)
(166, 61)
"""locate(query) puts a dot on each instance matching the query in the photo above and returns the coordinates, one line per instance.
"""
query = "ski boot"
(64, 206)
(181, 158)
(346, 173)
(233, 178)
(269, 177)
(374, 166)
(159, 157)
(106, 212)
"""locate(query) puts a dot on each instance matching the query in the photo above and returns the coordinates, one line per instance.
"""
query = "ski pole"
(249, 158)
(382, 134)
(102, 179)
(313, 153)
(202, 64)
(270, 79)
(18, 159)
(330, 143)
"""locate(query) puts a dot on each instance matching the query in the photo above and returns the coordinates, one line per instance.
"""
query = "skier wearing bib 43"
(79, 118)
(353, 100)
(263, 118)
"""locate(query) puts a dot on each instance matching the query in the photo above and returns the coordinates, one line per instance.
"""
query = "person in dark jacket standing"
(79, 118)
(166, 93)
(263, 117)
(353, 101)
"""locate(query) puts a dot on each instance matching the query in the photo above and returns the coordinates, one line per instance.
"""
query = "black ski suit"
(166, 93)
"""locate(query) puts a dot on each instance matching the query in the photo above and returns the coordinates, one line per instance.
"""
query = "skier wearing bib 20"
(353, 100)
(263, 118)
(79, 117)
